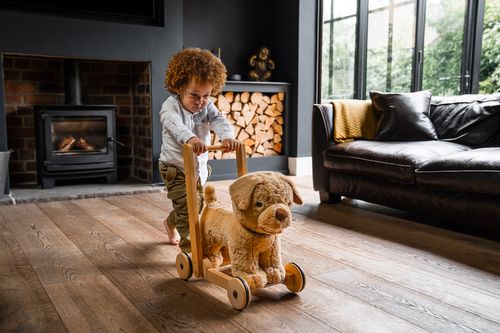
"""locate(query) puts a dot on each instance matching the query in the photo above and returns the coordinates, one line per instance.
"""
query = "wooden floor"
(104, 265)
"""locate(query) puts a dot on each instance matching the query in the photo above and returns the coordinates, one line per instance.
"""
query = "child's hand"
(231, 145)
(199, 146)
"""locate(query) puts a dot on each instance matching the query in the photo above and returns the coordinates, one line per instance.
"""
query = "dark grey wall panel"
(81, 38)
(306, 83)
(294, 37)
(240, 27)
(237, 27)
(286, 46)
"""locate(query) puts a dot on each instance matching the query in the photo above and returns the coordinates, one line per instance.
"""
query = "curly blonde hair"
(195, 64)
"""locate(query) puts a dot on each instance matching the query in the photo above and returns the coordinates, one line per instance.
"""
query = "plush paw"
(275, 275)
(256, 281)
(216, 260)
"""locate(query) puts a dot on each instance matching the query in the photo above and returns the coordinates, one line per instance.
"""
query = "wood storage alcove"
(257, 111)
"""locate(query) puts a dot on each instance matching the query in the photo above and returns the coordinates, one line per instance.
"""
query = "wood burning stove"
(75, 140)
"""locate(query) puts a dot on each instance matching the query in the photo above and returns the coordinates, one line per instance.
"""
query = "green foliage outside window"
(443, 51)
(490, 55)
(443, 54)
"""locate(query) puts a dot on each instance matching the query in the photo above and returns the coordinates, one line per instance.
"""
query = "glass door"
(391, 40)
(489, 79)
(409, 45)
(338, 49)
(444, 46)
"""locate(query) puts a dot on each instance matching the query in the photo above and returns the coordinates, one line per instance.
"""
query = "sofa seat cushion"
(476, 171)
(394, 161)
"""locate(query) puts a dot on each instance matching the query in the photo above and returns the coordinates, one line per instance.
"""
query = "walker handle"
(216, 147)
(241, 157)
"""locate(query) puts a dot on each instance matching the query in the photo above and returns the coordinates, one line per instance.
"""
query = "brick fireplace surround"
(31, 80)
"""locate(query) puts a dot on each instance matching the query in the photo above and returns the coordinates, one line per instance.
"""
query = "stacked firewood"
(257, 120)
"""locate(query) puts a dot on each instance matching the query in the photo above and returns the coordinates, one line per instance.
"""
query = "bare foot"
(173, 235)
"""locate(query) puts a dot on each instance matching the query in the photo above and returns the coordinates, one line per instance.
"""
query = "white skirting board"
(300, 166)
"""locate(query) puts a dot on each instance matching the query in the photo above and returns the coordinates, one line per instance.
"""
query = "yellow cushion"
(353, 119)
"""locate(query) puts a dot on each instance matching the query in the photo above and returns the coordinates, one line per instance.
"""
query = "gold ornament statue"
(262, 65)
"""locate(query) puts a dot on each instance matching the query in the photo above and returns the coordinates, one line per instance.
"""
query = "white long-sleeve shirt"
(179, 125)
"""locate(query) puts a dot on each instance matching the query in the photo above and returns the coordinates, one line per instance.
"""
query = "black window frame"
(472, 47)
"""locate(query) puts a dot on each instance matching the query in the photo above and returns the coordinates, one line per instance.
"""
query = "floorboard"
(24, 303)
(104, 264)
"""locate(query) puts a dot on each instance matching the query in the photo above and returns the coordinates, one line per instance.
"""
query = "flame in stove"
(78, 135)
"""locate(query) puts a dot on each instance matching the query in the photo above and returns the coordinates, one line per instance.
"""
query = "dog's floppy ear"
(296, 195)
(242, 189)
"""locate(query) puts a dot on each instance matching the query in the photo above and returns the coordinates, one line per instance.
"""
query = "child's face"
(194, 95)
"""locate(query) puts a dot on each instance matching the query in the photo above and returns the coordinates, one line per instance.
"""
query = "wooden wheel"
(238, 292)
(295, 279)
(184, 266)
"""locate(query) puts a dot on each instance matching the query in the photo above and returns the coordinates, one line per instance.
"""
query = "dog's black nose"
(281, 214)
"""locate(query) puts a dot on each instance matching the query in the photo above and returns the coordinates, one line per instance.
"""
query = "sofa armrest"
(322, 138)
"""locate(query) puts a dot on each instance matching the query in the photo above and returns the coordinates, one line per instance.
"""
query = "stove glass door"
(79, 135)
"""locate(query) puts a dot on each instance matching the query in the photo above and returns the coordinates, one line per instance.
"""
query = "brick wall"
(141, 120)
(31, 80)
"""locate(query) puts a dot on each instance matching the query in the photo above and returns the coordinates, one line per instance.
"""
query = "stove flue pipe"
(72, 86)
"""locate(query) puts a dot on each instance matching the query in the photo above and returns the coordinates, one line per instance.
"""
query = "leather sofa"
(452, 180)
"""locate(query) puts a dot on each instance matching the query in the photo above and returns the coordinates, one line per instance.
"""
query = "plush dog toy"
(249, 235)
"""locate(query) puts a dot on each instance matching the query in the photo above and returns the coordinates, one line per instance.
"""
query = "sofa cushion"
(472, 120)
(394, 161)
(403, 116)
(476, 170)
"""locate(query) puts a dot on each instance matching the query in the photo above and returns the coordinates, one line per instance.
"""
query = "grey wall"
(306, 76)
(293, 35)
(287, 27)
(238, 27)
(286, 39)
(82, 38)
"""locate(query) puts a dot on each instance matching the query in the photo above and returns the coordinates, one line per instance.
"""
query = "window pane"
(443, 46)
(391, 38)
(339, 44)
(489, 80)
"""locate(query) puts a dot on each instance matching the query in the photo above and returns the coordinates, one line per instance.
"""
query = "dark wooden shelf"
(264, 87)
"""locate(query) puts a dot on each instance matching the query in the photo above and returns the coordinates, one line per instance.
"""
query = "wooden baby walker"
(237, 288)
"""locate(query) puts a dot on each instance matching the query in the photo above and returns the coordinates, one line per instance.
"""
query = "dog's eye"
(258, 204)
